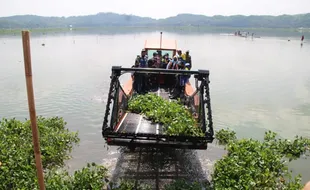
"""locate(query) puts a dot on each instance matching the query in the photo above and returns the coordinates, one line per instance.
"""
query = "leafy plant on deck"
(252, 164)
(176, 119)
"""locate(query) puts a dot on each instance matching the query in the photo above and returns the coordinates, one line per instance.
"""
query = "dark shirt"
(143, 62)
(150, 63)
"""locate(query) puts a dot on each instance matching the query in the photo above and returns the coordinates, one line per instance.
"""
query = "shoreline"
(173, 29)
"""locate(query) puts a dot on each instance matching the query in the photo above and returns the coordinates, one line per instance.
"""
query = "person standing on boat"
(136, 77)
(181, 80)
(172, 62)
(171, 78)
(179, 53)
(155, 60)
(187, 58)
(152, 61)
(159, 59)
(143, 59)
(172, 81)
(165, 61)
(184, 78)
(176, 63)
(183, 56)
(143, 63)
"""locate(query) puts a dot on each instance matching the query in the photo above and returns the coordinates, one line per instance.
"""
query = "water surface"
(256, 85)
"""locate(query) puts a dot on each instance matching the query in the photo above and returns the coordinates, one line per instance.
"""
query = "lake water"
(256, 85)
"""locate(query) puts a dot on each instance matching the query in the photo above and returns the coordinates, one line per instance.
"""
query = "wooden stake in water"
(32, 110)
(161, 39)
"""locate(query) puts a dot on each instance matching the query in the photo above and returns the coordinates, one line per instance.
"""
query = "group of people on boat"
(179, 61)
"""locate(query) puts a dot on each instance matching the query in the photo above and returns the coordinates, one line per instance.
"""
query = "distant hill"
(113, 19)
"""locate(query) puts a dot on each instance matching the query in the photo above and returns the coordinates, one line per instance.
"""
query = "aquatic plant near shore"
(91, 177)
(183, 184)
(253, 164)
(125, 184)
(225, 135)
(17, 166)
(176, 119)
(249, 164)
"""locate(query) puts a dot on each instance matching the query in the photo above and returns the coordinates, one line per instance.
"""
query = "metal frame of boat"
(124, 129)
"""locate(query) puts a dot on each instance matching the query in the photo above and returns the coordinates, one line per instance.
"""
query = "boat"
(244, 34)
(122, 128)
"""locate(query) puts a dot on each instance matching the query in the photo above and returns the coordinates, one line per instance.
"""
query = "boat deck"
(136, 123)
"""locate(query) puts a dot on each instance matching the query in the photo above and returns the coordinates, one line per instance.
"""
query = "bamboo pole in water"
(32, 110)
(161, 39)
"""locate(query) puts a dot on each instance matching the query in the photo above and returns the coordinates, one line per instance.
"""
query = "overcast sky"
(153, 8)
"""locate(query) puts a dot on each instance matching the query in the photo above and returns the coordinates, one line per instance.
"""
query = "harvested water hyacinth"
(175, 117)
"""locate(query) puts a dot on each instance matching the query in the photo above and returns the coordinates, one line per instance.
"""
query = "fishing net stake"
(32, 110)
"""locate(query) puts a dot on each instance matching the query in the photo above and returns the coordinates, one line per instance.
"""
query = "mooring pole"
(32, 110)
(161, 39)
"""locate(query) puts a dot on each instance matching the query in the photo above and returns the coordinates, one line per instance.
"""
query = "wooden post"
(161, 39)
(32, 110)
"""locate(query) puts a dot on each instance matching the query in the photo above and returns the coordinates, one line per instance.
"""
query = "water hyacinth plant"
(17, 165)
(175, 117)
(253, 164)
(249, 163)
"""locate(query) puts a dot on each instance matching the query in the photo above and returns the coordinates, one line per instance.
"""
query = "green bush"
(176, 119)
